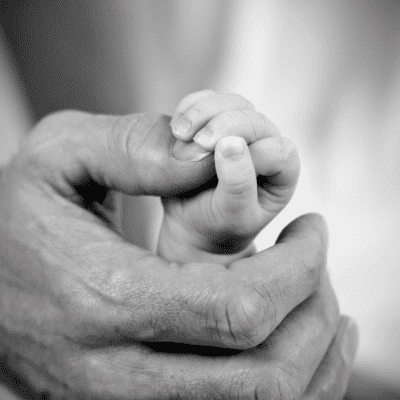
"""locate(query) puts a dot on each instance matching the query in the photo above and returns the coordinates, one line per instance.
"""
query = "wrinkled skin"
(87, 315)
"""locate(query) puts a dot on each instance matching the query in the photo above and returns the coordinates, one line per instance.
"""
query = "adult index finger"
(287, 273)
(280, 368)
(119, 292)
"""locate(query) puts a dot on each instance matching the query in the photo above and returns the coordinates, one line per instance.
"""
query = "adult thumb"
(131, 154)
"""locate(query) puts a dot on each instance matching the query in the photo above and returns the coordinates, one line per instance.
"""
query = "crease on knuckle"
(246, 319)
(241, 187)
(270, 298)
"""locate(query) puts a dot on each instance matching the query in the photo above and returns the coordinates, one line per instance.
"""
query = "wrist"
(178, 244)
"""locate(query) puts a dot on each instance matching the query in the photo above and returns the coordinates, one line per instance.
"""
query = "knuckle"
(42, 146)
(240, 185)
(244, 319)
(270, 298)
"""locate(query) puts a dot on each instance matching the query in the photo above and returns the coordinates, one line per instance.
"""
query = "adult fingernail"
(350, 341)
(184, 151)
(232, 148)
(181, 128)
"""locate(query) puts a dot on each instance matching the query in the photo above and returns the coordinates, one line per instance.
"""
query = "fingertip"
(188, 101)
(231, 148)
(350, 338)
(304, 226)
(184, 151)
(236, 192)
(177, 115)
(277, 158)
(181, 129)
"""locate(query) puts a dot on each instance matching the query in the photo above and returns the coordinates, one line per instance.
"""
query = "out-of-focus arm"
(14, 123)
(14, 116)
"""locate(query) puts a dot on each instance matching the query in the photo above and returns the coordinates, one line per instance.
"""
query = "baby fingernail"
(232, 148)
(204, 139)
(182, 127)
(184, 151)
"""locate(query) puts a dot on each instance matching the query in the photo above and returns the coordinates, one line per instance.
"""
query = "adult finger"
(119, 291)
(131, 154)
(247, 123)
(199, 114)
(280, 368)
(188, 102)
(125, 292)
(332, 376)
(287, 273)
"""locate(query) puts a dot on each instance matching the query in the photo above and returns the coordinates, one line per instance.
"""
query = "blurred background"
(326, 72)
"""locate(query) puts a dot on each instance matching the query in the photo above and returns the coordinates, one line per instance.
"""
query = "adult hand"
(77, 300)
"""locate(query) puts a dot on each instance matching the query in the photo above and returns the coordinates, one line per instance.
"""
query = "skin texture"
(87, 315)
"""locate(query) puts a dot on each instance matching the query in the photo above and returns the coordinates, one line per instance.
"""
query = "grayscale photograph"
(199, 200)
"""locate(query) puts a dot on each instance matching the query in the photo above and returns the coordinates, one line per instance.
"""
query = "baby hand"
(257, 173)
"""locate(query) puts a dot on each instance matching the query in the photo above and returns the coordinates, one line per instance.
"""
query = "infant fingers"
(201, 112)
(277, 164)
(189, 101)
(249, 124)
(254, 183)
(234, 201)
